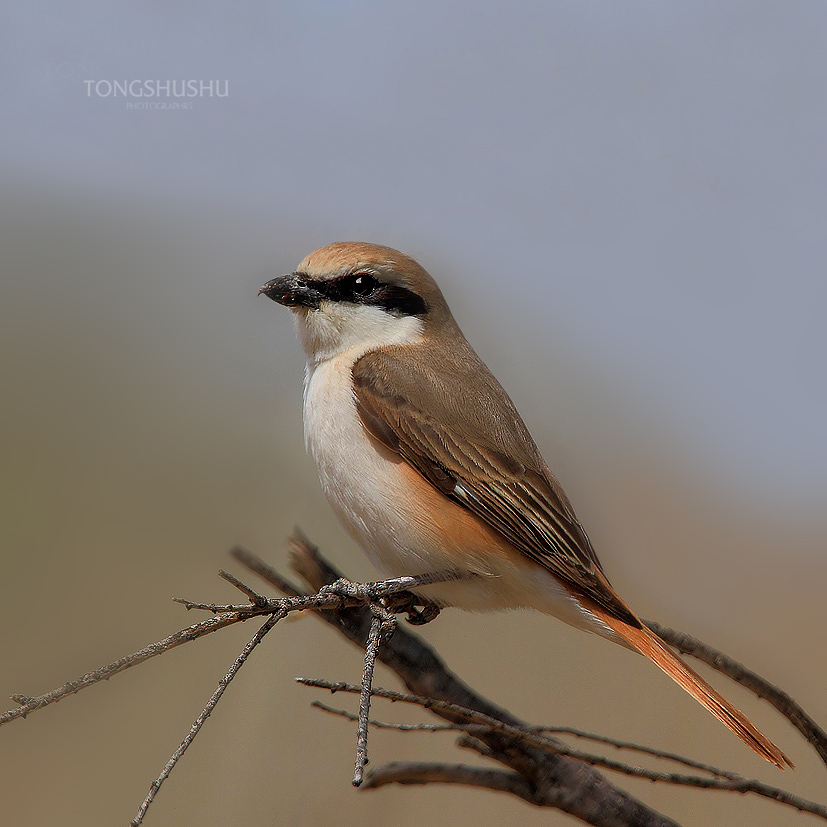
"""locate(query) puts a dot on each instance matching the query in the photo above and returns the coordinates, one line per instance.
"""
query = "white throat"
(339, 329)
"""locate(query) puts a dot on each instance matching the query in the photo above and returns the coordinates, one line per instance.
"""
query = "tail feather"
(650, 645)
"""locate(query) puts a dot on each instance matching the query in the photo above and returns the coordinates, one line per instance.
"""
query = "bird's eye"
(361, 284)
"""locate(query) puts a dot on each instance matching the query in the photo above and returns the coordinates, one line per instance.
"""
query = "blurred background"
(624, 205)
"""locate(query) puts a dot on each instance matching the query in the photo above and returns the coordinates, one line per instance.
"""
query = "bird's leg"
(394, 594)
(381, 588)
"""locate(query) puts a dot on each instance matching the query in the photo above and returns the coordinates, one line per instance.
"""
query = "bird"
(429, 467)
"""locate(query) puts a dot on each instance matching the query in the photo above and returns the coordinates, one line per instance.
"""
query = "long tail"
(650, 645)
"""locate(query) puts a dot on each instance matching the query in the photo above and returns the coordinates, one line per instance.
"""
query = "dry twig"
(226, 615)
(475, 729)
(205, 713)
(721, 780)
(540, 768)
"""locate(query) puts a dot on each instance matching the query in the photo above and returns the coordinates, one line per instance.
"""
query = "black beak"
(292, 291)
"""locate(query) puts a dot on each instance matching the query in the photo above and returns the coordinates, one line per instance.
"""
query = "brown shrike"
(430, 468)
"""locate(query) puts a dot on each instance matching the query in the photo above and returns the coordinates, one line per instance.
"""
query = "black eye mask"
(362, 288)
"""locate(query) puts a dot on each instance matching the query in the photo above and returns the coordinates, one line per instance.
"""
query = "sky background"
(624, 204)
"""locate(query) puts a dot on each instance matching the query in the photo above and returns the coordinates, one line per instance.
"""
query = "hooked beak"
(292, 291)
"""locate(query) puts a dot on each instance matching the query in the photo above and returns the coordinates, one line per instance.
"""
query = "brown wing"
(486, 461)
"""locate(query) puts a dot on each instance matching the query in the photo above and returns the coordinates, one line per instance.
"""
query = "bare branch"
(475, 729)
(629, 745)
(205, 713)
(540, 768)
(255, 598)
(225, 615)
(371, 651)
(584, 792)
(197, 630)
(724, 781)
(343, 713)
(403, 772)
(255, 564)
(218, 608)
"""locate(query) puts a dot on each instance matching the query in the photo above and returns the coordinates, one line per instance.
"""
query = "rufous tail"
(650, 645)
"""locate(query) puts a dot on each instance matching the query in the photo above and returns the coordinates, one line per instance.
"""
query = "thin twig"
(199, 721)
(255, 598)
(655, 753)
(404, 772)
(371, 651)
(737, 784)
(343, 713)
(219, 608)
(255, 564)
(197, 630)
(411, 772)
(226, 615)
(474, 729)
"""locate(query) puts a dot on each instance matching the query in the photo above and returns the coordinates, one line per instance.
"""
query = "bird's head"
(354, 295)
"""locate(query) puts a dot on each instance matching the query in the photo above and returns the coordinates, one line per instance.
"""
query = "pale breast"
(361, 482)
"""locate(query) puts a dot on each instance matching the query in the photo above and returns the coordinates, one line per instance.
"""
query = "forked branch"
(539, 767)
(477, 724)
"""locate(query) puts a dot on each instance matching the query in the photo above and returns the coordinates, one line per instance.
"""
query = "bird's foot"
(388, 595)
(419, 609)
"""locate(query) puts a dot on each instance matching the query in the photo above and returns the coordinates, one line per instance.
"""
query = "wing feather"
(485, 461)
